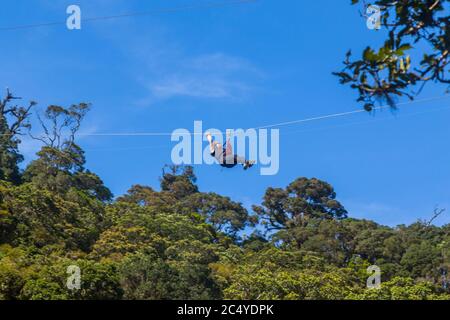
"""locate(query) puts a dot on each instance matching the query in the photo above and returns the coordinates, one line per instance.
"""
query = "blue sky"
(238, 66)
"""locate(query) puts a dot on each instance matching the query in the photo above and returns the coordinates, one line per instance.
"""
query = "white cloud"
(191, 87)
(212, 76)
(199, 86)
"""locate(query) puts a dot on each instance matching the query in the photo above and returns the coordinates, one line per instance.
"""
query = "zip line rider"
(224, 154)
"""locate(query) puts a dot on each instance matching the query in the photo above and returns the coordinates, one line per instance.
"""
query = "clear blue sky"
(233, 67)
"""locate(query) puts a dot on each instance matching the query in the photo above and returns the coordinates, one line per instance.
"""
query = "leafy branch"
(389, 72)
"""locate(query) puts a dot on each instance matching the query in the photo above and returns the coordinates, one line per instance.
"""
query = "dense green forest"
(182, 243)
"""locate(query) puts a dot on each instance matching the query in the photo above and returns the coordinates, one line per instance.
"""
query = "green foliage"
(180, 182)
(180, 272)
(401, 289)
(286, 285)
(221, 212)
(37, 217)
(279, 274)
(390, 71)
(302, 200)
(100, 281)
(58, 170)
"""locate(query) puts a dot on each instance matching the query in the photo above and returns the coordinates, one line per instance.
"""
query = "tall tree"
(180, 193)
(13, 120)
(61, 125)
(60, 163)
(180, 181)
(295, 205)
(221, 212)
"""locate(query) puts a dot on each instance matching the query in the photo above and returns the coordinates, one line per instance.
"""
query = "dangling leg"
(233, 160)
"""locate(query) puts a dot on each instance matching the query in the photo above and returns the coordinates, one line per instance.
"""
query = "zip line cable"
(282, 133)
(335, 115)
(276, 125)
(373, 120)
(207, 5)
